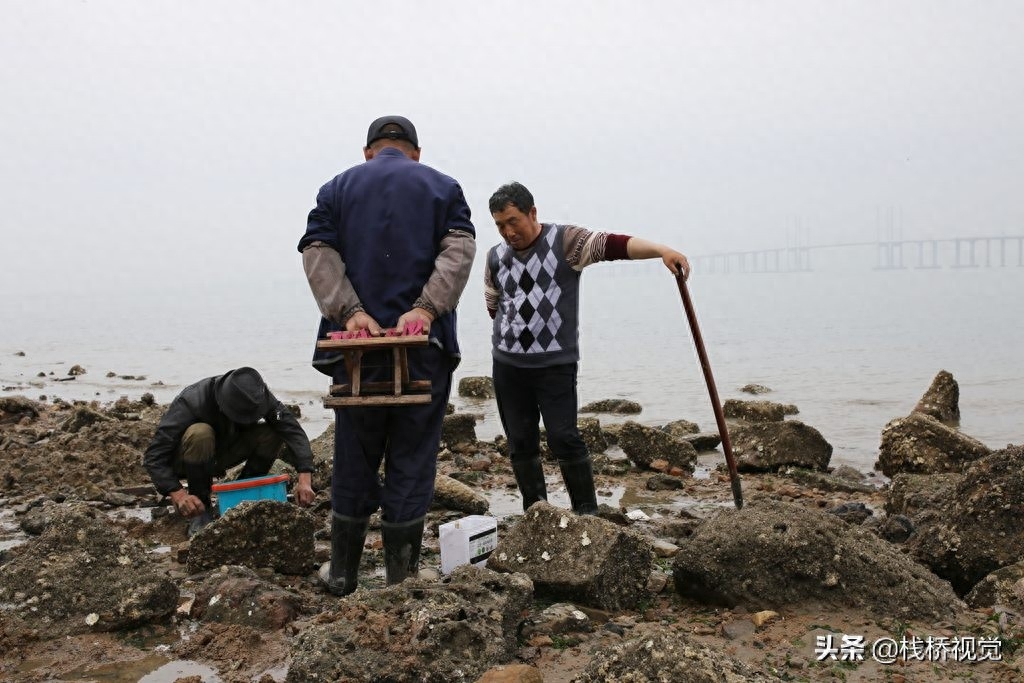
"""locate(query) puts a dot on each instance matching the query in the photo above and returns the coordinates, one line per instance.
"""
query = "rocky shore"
(670, 582)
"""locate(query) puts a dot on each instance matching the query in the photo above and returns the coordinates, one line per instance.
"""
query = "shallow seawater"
(154, 668)
(11, 534)
(852, 348)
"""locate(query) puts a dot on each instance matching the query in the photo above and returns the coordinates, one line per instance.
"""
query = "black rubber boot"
(402, 541)
(579, 481)
(530, 478)
(200, 481)
(201, 520)
(348, 534)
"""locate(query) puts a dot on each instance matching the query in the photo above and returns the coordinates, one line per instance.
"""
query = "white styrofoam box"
(469, 540)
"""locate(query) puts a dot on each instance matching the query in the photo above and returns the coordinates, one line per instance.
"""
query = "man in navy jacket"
(389, 244)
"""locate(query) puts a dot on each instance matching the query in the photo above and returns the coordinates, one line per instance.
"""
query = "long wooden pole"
(723, 431)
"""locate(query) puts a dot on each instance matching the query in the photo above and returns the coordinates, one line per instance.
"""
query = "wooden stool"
(400, 391)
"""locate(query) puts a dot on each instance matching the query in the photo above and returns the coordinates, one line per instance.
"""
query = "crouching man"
(218, 423)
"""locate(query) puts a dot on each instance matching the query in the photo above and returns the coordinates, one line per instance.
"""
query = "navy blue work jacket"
(387, 217)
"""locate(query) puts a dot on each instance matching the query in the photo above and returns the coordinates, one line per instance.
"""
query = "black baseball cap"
(376, 131)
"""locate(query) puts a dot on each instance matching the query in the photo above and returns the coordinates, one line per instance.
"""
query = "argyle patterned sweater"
(537, 321)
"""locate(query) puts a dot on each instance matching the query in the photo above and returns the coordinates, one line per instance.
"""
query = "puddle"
(279, 674)
(7, 521)
(8, 543)
(151, 669)
(151, 637)
(144, 514)
(11, 534)
(172, 671)
(507, 502)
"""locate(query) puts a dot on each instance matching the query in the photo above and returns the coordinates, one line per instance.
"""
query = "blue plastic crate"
(231, 493)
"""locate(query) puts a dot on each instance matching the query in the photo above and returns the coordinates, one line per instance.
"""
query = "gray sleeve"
(492, 295)
(325, 271)
(451, 272)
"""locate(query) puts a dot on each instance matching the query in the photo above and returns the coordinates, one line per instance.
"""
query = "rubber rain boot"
(200, 482)
(402, 542)
(204, 518)
(530, 479)
(341, 574)
(579, 482)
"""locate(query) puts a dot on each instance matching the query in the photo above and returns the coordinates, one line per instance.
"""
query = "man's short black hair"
(513, 193)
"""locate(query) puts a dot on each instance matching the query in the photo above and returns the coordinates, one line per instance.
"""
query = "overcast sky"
(149, 141)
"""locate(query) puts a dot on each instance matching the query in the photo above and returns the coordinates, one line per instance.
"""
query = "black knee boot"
(579, 481)
(200, 483)
(530, 478)
(348, 534)
(402, 541)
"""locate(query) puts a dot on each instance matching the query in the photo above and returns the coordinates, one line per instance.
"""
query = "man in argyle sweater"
(531, 288)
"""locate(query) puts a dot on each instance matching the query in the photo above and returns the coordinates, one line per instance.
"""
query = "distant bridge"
(1001, 251)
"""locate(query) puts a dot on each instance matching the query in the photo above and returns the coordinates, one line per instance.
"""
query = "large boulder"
(576, 558)
(681, 428)
(772, 554)
(559, 618)
(942, 400)
(95, 450)
(978, 530)
(82, 574)
(476, 387)
(257, 533)
(613, 405)
(919, 443)
(458, 429)
(655, 653)
(452, 494)
(769, 446)
(643, 445)
(1003, 587)
(705, 441)
(419, 631)
(847, 480)
(14, 409)
(917, 495)
(323, 459)
(236, 595)
(590, 431)
(593, 435)
(756, 411)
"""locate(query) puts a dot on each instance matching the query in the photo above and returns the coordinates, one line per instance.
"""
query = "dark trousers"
(524, 396)
(202, 456)
(406, 438)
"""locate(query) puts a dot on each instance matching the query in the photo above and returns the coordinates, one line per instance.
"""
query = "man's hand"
(410, 318)
(361, 320)
(187, 505)
(304, 490)
(676, 263)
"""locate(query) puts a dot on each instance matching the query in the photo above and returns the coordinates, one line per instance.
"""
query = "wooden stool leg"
(405, 368)
(397, 377)
(354, 366)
